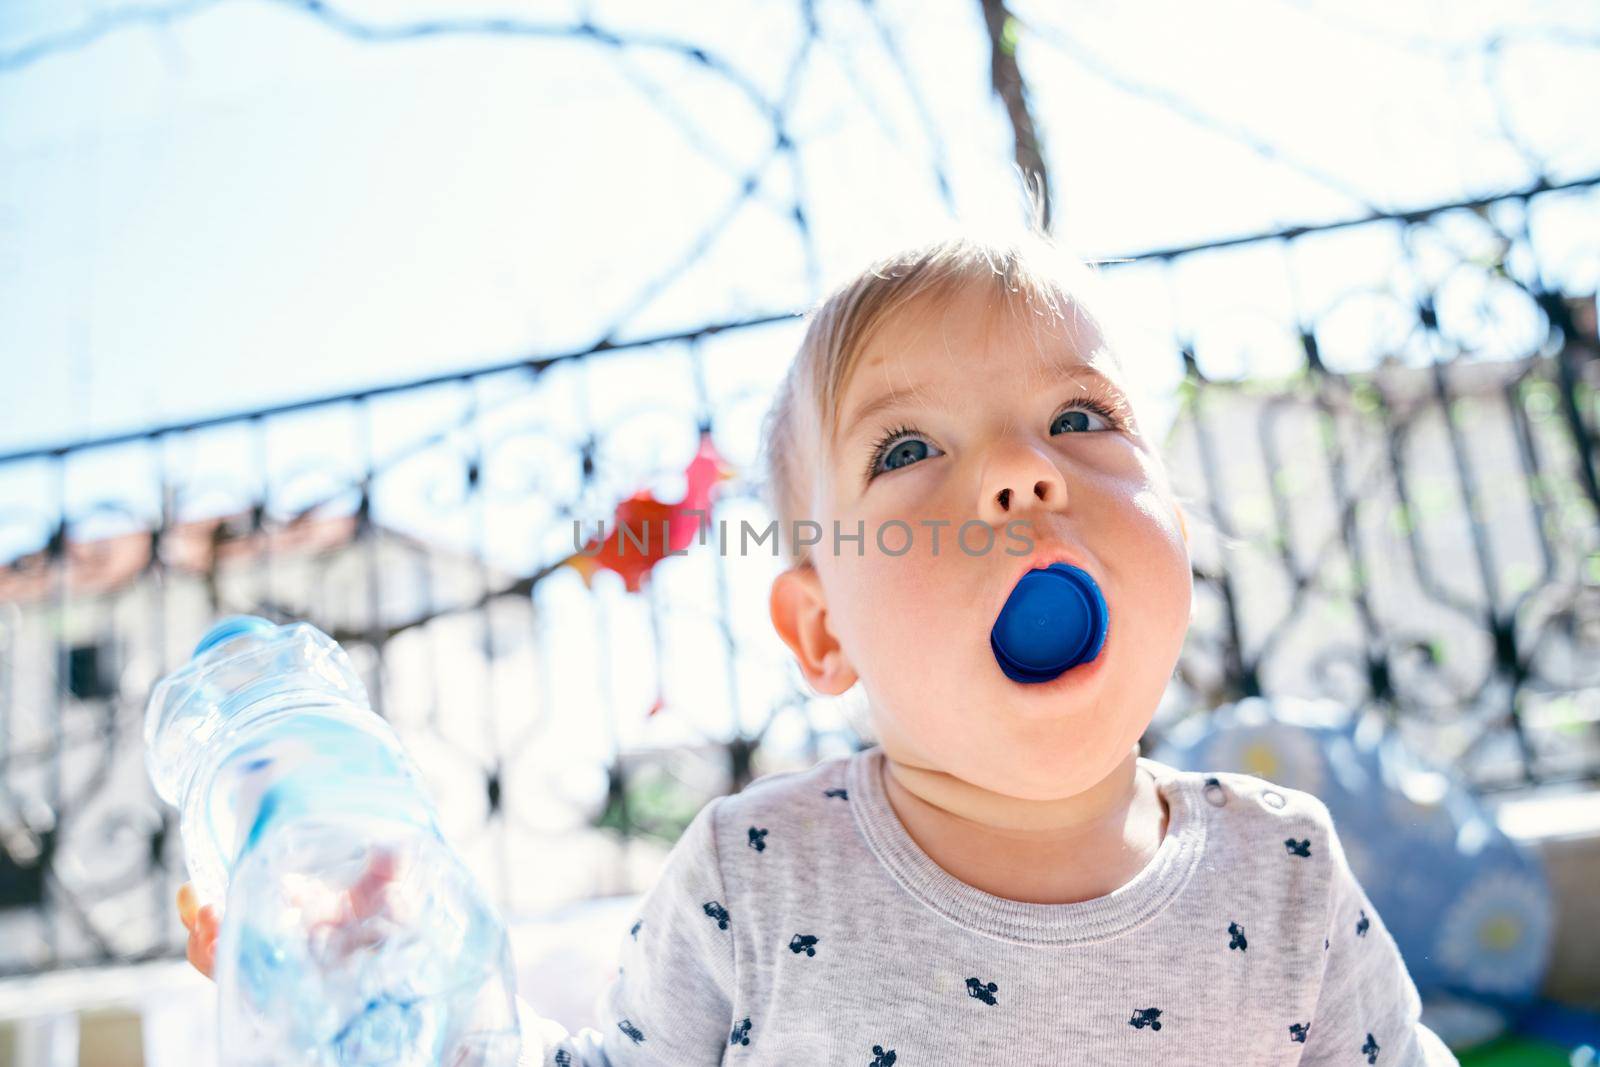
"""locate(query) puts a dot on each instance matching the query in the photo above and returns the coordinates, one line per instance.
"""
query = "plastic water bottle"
(291, 789)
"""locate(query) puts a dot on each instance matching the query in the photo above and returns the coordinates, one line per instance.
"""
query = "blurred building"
(1415, 535)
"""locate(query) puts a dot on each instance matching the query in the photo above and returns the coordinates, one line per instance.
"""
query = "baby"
(1001, 878)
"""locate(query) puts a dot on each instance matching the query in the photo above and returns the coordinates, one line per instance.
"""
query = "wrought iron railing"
(1407, 522)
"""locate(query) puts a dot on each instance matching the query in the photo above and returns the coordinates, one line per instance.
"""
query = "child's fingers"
(365, 898)
(186, 904)
(366, 895)
(201, 956)
(197, 956)
(202, 949)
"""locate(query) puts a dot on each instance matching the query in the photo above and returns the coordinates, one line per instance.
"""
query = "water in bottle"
(351, 932)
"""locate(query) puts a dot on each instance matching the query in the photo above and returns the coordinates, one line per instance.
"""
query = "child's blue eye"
(1072, 421)
(906, 450)
(906, 453)
(903, 446)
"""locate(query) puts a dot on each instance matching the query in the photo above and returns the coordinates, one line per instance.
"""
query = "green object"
(1515, 1052)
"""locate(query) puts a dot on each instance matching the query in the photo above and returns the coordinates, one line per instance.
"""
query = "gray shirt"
(796, 922)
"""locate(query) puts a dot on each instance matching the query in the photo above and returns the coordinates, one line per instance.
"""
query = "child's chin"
(1043, 739)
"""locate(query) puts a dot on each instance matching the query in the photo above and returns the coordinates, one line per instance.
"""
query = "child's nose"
(1020, 479)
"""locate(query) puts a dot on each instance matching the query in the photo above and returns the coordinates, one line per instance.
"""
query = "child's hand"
(337, 917)
(202, 925)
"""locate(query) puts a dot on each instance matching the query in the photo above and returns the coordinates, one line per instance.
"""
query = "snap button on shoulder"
(1272, 798)
(1215, 793)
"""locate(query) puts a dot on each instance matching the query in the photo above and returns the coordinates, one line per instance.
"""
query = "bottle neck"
(298, 802)
(239, 720)
(290, 761)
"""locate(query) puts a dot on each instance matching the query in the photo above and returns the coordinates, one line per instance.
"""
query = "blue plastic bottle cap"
(232, 626)
(1054, 620)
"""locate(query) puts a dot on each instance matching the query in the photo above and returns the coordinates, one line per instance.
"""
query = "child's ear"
(800, 615)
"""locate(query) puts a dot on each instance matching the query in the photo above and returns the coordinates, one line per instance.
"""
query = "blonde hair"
(1030, 270)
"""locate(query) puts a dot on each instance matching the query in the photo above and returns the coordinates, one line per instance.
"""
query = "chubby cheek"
(1161, 587)
(912, 633)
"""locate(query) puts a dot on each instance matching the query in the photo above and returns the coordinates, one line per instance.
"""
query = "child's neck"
(1042, 851)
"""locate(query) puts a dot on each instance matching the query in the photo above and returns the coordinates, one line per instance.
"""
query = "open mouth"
(1054, 620)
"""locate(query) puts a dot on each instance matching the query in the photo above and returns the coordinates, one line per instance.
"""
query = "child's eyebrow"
(1087, 370)
(894, 398)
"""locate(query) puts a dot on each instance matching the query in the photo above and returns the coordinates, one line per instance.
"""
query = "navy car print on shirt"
(1143, 1017)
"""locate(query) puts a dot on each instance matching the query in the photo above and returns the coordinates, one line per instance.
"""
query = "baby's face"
(997, 430)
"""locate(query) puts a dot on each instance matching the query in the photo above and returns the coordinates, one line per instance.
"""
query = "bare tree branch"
(1009, 86)
(115, 20)
(103, 24)
(1180, 106)
(941, 173)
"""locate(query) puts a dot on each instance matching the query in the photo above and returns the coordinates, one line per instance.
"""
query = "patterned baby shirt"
(797, 923)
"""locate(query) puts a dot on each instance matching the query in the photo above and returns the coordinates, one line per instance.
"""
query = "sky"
(243, 206)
